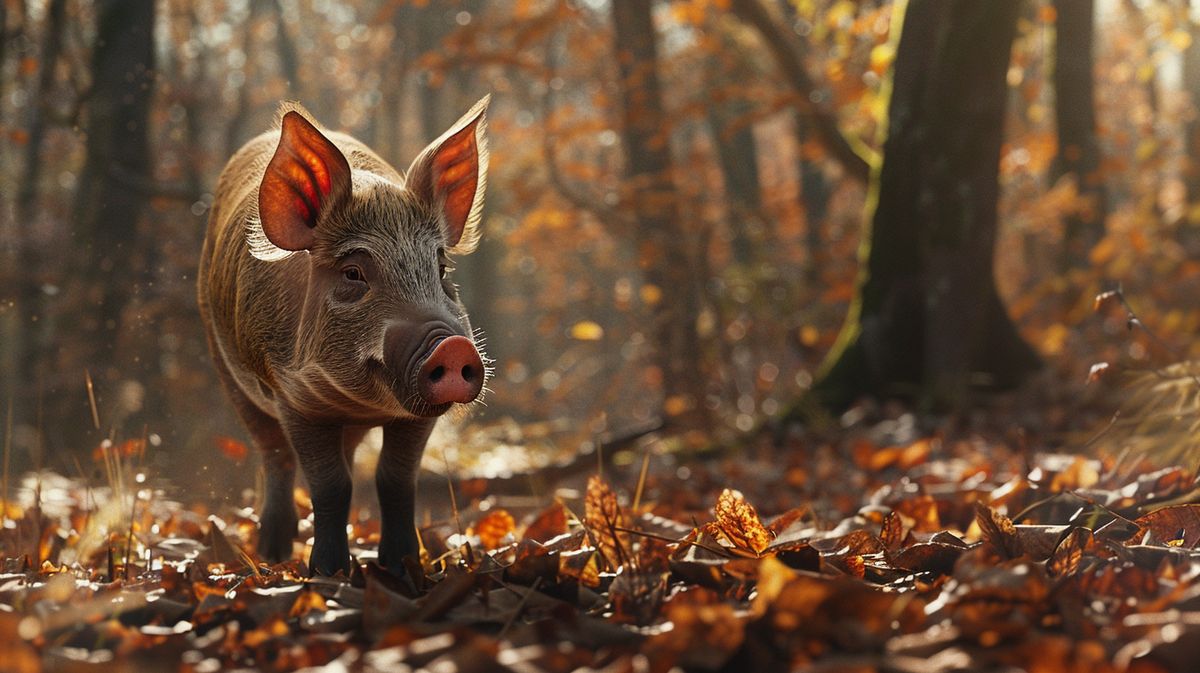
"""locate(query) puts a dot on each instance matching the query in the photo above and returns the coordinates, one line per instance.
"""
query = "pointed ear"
(307, 175)
(451, 175)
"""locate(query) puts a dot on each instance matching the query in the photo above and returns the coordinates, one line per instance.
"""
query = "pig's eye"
(353, 274)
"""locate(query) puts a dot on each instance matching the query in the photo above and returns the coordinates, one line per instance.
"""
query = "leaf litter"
(930, 555)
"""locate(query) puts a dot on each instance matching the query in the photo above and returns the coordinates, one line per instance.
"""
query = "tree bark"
(27, 345)
(737, 154)
(1075, 113)
(111, 197)
(815, 193)
(662, 242)
(927, 322)
(788, 52)
(1191, 130)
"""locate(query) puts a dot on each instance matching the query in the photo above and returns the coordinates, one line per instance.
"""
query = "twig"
(537, 581)
(7, 453)
(87, 376)
(664, 538)
(1132, 321)
(454, 507)
(641, 485)
(587, 203)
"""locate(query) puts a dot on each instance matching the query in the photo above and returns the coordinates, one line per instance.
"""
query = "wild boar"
(326, 301)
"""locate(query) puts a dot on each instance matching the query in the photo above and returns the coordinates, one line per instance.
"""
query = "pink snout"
(452, 373)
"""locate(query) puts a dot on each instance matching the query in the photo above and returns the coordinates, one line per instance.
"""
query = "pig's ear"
(451, 175)
(307, 175)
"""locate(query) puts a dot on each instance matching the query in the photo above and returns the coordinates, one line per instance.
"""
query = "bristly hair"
(260, 246)
(471, 229)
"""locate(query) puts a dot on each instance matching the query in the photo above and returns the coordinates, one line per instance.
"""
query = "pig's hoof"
(329, 564)
(275, 548)
(275, 537)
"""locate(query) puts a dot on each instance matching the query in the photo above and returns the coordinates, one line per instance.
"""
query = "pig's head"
(382, 331)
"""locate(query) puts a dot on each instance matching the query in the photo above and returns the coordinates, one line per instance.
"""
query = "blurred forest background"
(678, 195)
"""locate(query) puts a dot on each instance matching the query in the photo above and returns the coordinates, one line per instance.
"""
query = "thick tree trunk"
(112, 197)
(927, 323)
(662, 242)
(1075, 112)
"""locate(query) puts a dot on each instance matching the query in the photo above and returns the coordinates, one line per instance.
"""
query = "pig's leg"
(278, 518)
(278, 515)
(319, 450)
(396, 481)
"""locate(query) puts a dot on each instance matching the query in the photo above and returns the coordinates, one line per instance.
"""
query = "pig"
(328, 309)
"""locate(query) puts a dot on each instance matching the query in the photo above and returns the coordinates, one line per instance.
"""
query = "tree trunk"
(1075, 112)
(1191, 129)
(662, 243)
(737, 154)
(815, 193)
(27, 346)
(927, 323)
(112, 197)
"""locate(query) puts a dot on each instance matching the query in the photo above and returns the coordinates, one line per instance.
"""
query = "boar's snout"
(433, 366)
(453, 372)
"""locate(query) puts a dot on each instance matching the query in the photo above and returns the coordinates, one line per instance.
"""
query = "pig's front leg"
(319, 452)
(396, 480)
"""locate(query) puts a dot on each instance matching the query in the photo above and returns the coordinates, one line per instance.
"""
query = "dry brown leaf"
(891, 533)
(605, 519)
(738, 521)
(580, 565)
(999, 532)
(549, 523)
(1177, 525)
(923, 510)
(1068, 554)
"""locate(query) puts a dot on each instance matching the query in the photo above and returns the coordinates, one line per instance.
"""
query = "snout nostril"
(468, 373)
(437, 373)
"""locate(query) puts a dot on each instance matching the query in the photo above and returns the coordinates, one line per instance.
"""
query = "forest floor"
(882, 546)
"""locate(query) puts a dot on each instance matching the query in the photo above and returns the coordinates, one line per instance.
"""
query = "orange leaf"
(550, 523)
(739, 522)
(232, 449)
(494, 527)
(306, 602)
(603, 516)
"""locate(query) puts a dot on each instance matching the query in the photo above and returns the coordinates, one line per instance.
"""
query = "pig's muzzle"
(453, 372)
(433, 366)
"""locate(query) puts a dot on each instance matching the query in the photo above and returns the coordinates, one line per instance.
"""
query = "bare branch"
(589, 203)
(789, 55)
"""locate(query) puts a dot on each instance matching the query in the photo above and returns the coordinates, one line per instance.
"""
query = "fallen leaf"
(738, 521)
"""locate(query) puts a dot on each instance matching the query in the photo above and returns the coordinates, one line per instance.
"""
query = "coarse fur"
(298, 347)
